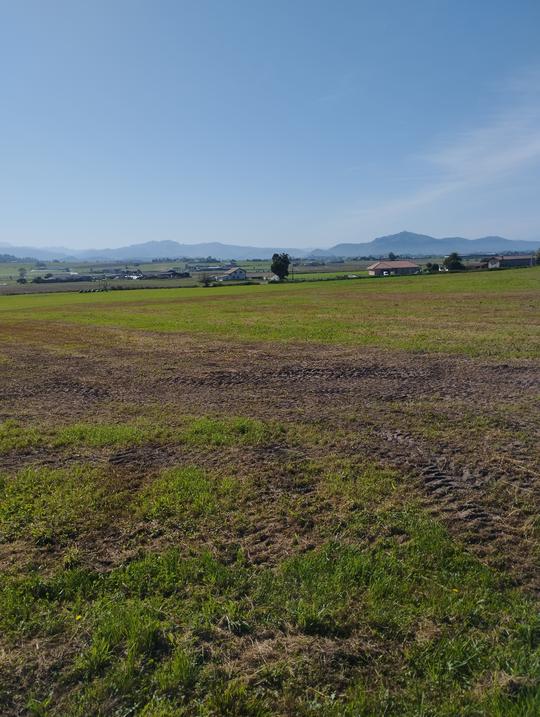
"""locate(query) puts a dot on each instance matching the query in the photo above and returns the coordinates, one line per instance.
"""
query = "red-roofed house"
(393, 268)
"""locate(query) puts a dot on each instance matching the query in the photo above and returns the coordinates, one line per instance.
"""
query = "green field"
(481, 314)
(315, 499)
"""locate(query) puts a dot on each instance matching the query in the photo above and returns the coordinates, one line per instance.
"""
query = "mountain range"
(405, 243)
(412, 244)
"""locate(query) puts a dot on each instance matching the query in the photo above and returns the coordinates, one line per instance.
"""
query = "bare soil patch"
(480, 479)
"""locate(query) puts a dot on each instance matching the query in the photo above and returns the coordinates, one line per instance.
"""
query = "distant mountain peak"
(410, 243)
(404, 242)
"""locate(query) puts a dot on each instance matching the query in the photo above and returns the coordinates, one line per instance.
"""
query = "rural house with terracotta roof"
(393, 268)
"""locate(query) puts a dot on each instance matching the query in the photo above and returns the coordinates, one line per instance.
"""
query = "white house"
(235, 273)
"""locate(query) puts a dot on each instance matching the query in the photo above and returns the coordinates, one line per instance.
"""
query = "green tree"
(453, 262)
(280, 265)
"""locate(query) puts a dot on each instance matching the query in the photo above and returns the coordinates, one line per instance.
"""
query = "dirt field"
(458, 436)
(465, 432)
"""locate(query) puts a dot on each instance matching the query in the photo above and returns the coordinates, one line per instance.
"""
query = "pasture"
(306, 499)
(474, 314)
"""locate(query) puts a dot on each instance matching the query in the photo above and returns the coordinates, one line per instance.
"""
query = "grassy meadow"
(423, 625)
(480, 314)
(181, 554)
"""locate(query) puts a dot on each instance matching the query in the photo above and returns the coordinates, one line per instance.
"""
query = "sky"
(299, 123)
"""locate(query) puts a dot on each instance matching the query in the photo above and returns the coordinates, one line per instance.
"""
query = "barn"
(507, 262)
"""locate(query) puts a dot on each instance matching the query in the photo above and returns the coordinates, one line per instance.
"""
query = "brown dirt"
(413, 412)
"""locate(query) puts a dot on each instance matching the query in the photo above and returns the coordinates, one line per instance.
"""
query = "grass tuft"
(230, 431)
(51, 504)
(187, 494)
(14, 437)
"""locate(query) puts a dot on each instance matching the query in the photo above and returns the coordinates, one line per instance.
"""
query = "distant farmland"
(485, 314)
(305, 499)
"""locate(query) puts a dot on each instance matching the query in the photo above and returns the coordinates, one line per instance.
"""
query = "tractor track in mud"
(484, 492)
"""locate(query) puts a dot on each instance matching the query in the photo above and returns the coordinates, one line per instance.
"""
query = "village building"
(168, 274)
(235, 273)
(393, 268)
(507, 262)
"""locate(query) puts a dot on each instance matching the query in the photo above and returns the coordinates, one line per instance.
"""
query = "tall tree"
(280, 265)
(453, 262)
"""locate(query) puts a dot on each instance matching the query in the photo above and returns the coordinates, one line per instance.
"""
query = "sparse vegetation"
(193, 522)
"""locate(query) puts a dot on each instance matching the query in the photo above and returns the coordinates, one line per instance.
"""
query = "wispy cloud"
(481, 156)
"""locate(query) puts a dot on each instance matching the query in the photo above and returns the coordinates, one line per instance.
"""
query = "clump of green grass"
(364, 483)
(230, 431)
(203, 431)
(101, 435)
(121, 631)
(14, 437)
(187, 494)
(50, 504)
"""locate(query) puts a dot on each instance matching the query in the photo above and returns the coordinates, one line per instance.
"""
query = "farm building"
(507, 262)
(168, 274)
(235, 273)
(393, 268)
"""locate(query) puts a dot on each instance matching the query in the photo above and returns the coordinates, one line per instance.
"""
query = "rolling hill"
(404, 243)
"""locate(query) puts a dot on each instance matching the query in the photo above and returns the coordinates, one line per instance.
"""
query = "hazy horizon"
(7, 245)
(301, 125)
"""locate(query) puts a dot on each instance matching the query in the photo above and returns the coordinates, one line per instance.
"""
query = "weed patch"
(230, 432)
(51, 505)
(14, 437)
(440, 620)
(187, 494)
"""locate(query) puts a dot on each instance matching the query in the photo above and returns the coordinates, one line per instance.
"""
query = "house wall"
(408, 270)
(396, 272)
(508, 263)
(516, 262)
(237, 275)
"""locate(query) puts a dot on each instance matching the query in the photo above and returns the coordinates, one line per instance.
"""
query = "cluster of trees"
(452, 262)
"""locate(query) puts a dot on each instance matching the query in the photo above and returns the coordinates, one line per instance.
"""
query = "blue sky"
(285, 122)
